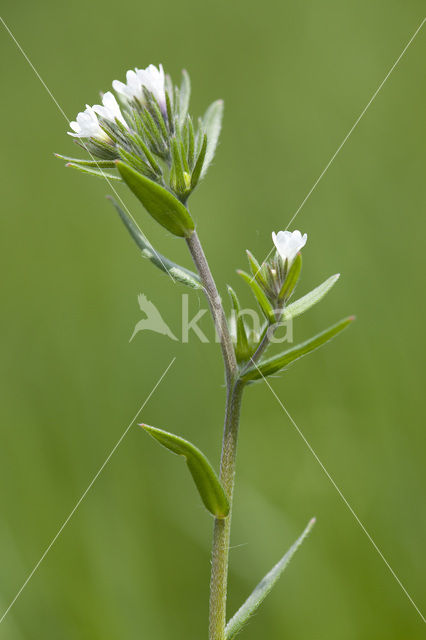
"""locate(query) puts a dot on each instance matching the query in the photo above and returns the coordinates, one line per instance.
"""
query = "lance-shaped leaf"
(292, 277)
(242, 348)
(195, 177)
(263, 588)
(278, 362)
(160, 203)
(181, 274)
(306, 302)
(256, 269)
(93, 172)
(205, 478)
(212, 124)
(109, 164)
(260, 296)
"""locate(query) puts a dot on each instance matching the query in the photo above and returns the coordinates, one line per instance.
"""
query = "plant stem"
(234, 388)
(200, 261)
(222, 527)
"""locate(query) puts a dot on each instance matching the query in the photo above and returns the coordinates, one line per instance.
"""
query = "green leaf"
(94, 172)
(306, 302)
(260, 296)
(212, 124)
(278, 362)
(264, 587)
(196, 174)
(181, 274)
(242, 348)
(160, 203)
(203, 474)
(291, 279)
(254, 265)
(184, 95)
(108, 164)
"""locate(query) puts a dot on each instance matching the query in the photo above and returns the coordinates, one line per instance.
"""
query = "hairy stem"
(222, 527)
(234, 388)
(216, 308)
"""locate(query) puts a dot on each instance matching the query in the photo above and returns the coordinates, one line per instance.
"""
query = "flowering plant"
(161, 154)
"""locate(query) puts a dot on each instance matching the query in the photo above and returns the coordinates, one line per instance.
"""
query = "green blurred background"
(133, 562)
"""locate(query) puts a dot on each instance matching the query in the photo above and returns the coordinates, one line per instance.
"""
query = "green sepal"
(291, 279)
(260, 296)
(212, 124)
(278, 362)
(140, 144)
(264, 587)
(178, 166)
(136, 162)
(242, 347)
(208, 484)
(93, 172)
(306, 302)
(178, 273)
(160, 203)
(100, 164)
(169, 109)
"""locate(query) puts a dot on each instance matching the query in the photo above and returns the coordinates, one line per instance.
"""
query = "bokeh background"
(133, 561)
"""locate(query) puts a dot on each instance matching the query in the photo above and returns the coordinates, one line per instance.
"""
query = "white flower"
(87, 126)
(151, 78)
(289, 243)
(133, 88)
(110, 109)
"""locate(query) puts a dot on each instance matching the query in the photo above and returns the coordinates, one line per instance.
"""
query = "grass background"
(134, 559)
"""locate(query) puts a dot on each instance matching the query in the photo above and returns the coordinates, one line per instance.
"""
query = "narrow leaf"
(203, 474)
(94, 172)
(196, 174)
(306, 302)
(276, 363)
(212, 124)
(254, 265)
(291, 279)
(263, 588)
(108, 164)
(160, 203)
(242, 349)
(260, 296)
(181, 274)
(191, 144)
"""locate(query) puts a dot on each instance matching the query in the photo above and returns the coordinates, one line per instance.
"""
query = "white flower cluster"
(87, 123)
